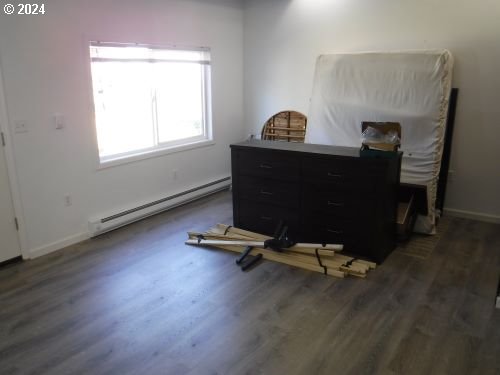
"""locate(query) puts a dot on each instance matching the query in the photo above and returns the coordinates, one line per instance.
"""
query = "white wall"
(45, 67)
(284, 37)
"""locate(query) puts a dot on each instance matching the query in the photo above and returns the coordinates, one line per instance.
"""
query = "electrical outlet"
(67, 200)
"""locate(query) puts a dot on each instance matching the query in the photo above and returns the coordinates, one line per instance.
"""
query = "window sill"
(152, 154)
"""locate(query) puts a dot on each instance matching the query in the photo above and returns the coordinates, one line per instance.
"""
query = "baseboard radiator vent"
(102, 225)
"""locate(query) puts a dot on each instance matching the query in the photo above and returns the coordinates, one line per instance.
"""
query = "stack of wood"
(313, 257)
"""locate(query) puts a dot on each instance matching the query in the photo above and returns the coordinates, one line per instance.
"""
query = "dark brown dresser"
(324, 194)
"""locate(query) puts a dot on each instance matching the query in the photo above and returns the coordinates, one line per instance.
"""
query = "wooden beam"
(226, 229)
(235, 239)
(301, 129)
(299, 246)
(284, 135)
(286, 259)
(225, 239)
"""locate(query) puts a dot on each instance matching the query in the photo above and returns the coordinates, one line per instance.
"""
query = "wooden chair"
(287, 126)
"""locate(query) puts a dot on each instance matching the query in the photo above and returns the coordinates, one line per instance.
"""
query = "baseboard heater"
(98, 226)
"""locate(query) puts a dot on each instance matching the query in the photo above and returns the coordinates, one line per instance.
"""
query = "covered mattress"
(412, 88)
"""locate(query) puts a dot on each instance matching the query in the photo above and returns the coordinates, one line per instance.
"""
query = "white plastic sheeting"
(411, 88)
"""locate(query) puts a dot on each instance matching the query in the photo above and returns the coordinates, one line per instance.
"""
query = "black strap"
(349, 262)
(227, 229)
(278, 231)
(325, 269)
(251, 262)
(244, 254)
(200, 237)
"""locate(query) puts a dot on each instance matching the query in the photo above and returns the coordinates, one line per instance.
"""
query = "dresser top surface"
(299, 147)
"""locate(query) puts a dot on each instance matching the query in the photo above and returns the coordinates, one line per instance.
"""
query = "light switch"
(20, 126)
(59, 121)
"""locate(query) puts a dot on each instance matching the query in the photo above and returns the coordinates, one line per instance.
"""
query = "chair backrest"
(288, 126)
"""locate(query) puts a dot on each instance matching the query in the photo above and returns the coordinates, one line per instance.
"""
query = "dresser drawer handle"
(335, 175)
(266, 192)
(266, 166)
(334, 231)
(266, 218)
(336, 204)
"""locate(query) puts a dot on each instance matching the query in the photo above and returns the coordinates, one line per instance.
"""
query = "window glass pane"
(179, 95)
(123, 107)
(148, 98)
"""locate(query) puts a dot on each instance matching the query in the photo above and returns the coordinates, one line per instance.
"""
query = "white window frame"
(163, 148)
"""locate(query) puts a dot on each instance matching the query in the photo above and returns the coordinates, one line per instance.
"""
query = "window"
(149, 99)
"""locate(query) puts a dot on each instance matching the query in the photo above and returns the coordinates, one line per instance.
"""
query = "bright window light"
(149, 99)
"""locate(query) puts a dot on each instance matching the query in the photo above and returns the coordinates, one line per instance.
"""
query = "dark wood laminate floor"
(138, 301)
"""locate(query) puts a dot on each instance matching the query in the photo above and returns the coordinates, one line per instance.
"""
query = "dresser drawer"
(269, 164)
(269, 191)
(339, 203)
(342, 173)
(264, 218)
(351, 233)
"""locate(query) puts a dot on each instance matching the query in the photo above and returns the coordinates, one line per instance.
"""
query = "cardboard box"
(383, 127)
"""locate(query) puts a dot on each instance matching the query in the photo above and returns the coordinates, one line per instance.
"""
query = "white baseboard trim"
(58, 245)
(68, 241)
(472, 215)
